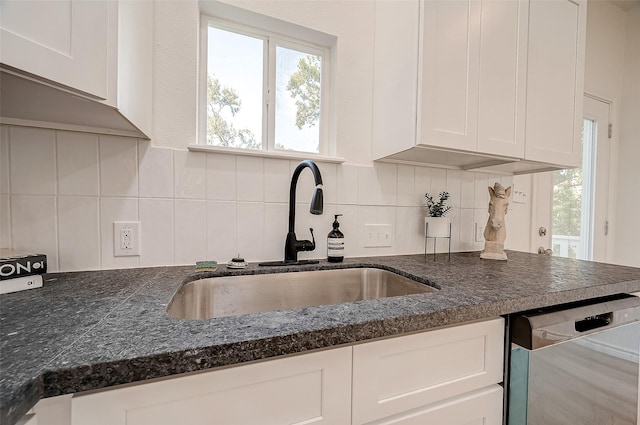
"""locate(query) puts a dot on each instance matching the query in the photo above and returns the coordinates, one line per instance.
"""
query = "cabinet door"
(52, 411)
(397, 375)
(63, 41)
(502, 77)
(448, 86)
(482, 407)
(395, 79)
(555, 81)
(311, 388)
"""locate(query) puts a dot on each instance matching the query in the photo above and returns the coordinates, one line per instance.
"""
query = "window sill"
(265, 154)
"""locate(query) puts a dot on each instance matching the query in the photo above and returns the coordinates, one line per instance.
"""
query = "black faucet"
(292, 245)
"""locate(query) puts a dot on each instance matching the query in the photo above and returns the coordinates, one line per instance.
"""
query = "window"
(264, 90)
(581, 195)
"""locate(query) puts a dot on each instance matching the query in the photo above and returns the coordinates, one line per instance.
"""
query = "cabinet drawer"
(479, 407)
(314, 387)
(400, 374)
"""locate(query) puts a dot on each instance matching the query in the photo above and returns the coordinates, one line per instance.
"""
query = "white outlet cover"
(126, 238)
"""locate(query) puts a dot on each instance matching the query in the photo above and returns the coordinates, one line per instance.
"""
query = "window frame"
(272, 40)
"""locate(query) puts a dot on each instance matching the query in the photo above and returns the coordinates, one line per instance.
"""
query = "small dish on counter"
(237, 263)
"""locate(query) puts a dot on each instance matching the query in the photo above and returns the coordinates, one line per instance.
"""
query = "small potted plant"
(436, 222)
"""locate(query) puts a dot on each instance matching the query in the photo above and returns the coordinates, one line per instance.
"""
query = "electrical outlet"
(378, 235)
(126, 238)
(479, 232)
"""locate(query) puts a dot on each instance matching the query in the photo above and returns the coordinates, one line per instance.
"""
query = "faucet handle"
(308, 245)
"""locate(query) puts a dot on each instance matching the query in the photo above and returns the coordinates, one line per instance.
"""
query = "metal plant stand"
(435, 238)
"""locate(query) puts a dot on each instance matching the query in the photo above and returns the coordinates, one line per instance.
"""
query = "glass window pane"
(297, 114)
(234, 89)
(571, 203)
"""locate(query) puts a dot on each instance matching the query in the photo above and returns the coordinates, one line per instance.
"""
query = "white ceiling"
(626, 4)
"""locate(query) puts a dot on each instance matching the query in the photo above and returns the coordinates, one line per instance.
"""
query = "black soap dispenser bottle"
(335, 243)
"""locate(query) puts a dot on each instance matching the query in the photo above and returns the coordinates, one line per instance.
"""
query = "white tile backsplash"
(194, 206)
(221, 177)
(276, 180)
(406, 186)
(368, 187)
(221, 230)
(422, 184)
(190, 231)
(387, 177)
(4, 159)
(409, 227)
(481, 196)
(33, 226)
(189, 170)
(78, 169)
(438, 181)
(467, 190)
(250, 233)
(118, 166)
(78, 227)
(156, 231)
(347, 184)
(275, 230)
(5, 221)
(250, 179)
(454, 184)
(33, 165)
(155, 171)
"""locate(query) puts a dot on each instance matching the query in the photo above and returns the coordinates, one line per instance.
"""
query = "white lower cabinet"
(481, 407)
(396, 376)
(312, 388)
(442, 376)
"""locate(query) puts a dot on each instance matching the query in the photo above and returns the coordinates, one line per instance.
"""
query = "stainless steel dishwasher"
(576, 366)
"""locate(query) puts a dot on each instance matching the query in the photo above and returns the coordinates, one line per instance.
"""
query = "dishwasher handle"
(543, 328)
(593, 322)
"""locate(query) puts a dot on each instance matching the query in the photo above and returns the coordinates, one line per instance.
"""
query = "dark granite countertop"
(95, 329)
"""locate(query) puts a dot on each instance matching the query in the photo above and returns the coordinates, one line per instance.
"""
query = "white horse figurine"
(495, 232)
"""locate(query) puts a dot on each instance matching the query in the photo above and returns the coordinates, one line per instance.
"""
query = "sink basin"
(236, 295)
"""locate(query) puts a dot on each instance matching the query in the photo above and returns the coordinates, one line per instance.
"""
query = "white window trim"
(226, 17)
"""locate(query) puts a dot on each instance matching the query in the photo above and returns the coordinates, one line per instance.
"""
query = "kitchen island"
(90, 330)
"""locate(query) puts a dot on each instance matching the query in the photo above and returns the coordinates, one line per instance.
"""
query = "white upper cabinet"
(555, 81)
(453, 78)
(62, 41)
(77, 65)
(448, 81)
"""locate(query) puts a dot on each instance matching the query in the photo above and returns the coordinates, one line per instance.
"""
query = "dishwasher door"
(576, 367)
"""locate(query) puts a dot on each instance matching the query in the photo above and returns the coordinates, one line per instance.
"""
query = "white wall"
(627, 231)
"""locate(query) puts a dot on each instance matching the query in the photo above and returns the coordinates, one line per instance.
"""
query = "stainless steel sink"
(236, 295)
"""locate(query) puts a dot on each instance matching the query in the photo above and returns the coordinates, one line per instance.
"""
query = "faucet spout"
(292, 244)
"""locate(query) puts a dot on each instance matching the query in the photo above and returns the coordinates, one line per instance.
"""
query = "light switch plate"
(479, 232)
(519, 196)
(378, 235)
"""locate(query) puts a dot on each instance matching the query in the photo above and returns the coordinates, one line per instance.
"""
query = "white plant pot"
(437, 227)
